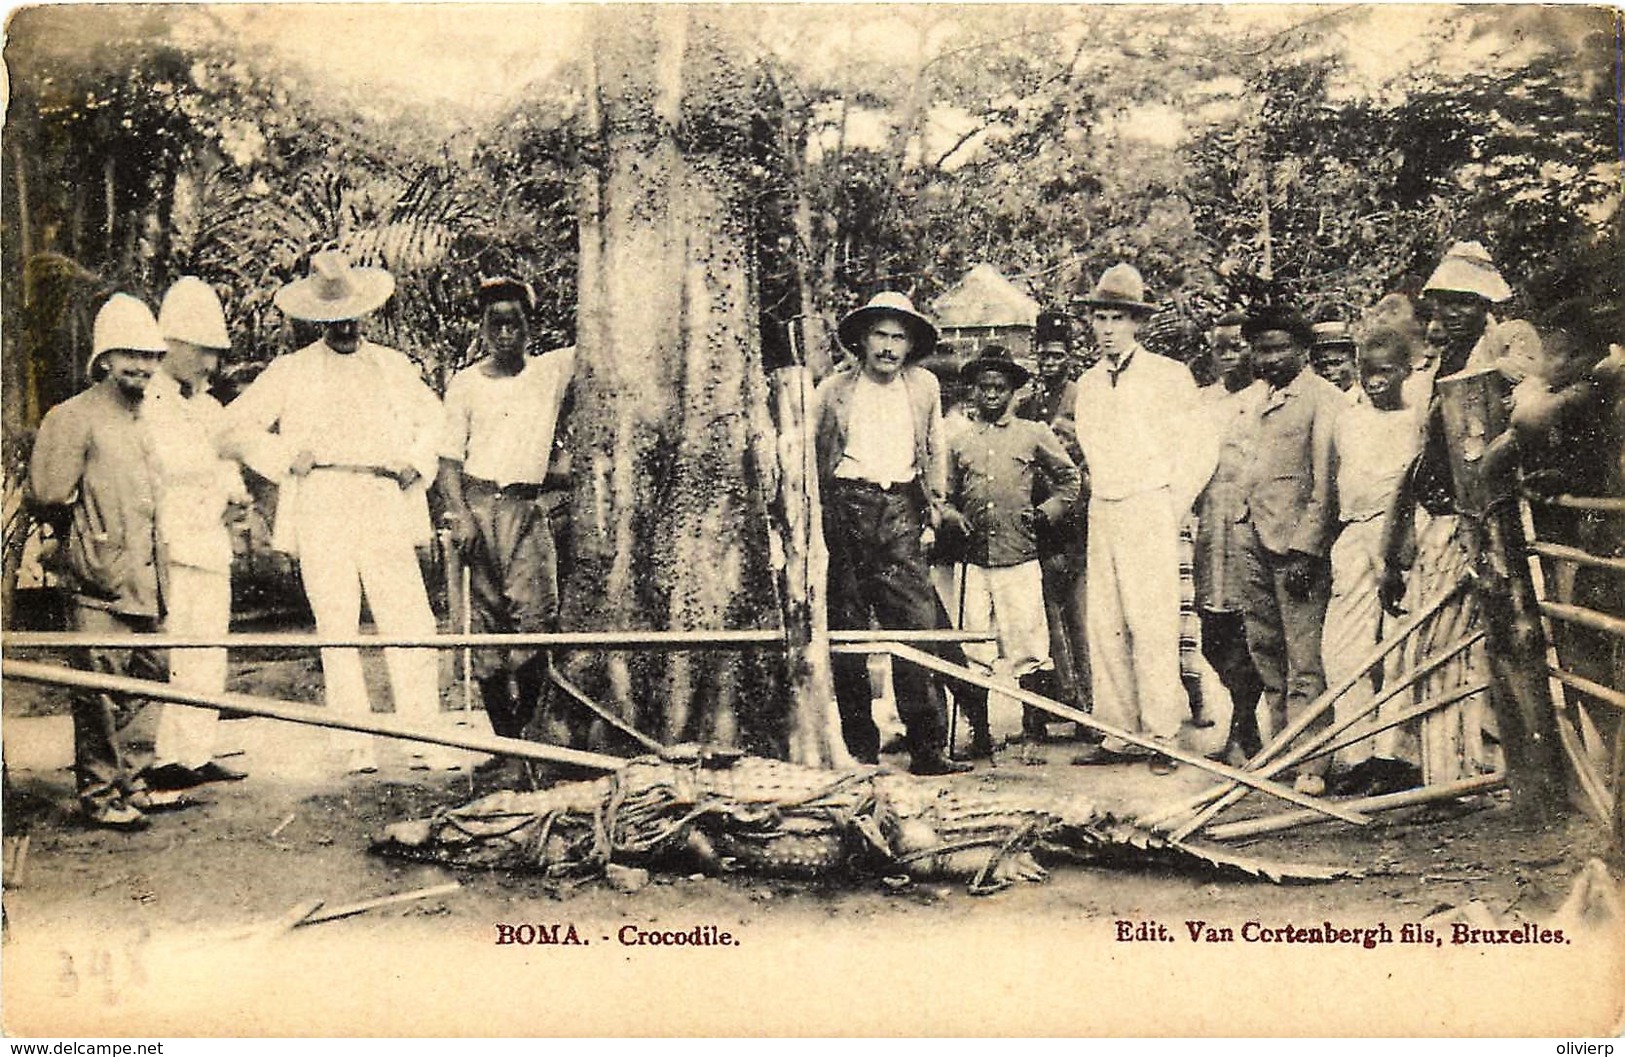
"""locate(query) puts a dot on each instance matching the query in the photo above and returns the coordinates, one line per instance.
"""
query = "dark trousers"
(103, 768)
(1224, 646)
(1283, 636)
(877, 570)
(513, 587)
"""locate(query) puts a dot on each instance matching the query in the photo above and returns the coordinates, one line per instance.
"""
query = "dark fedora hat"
(888, 303)
(995, 358)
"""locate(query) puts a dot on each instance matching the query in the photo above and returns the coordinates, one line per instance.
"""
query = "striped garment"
(1190, 624)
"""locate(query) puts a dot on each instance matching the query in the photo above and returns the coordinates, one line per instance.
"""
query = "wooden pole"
(608, 640)
(1486, 491)
(1254, 827)
(815, 737)
(30, 671)
(1026, 697)
(1294, 757)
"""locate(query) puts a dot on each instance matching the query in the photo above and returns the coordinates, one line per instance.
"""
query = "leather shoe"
(116, 815)
(937, 763)
(152, 801)
(172, 776)
(215, 771)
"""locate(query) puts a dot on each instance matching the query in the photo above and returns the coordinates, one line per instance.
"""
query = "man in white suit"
(354, 449)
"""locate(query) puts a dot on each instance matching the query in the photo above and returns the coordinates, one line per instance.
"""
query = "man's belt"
(519, 490)
(353, 467)
(859, 485)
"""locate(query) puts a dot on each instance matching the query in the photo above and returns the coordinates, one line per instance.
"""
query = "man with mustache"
(91, 475)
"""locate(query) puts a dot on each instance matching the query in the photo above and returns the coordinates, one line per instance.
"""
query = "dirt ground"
(146, 933)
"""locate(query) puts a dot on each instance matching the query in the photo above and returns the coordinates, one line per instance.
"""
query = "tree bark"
(673, 442)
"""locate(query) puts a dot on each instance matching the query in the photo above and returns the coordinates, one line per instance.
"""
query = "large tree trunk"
(673, 442)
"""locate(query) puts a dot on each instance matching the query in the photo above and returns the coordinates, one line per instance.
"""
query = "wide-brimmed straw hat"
(1467, 268)
(888, 303)
(192, 312)
(335, 291)
(124, 323)
(995, 358)
(1120, 286)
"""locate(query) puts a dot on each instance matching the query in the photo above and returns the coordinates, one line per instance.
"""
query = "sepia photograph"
(771, 520)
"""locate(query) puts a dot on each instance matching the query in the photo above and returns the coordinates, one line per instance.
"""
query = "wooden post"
(1475, 418)
(815, 724)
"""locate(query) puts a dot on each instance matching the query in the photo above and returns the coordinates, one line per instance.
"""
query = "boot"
(499, 706)
(1244, 741)
(927, 741)
(974, 708)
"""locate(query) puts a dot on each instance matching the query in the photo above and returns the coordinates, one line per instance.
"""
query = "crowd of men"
(140, 474)
(1112, 530)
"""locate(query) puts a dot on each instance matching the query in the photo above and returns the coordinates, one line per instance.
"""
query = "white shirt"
(880, 434)
(368, 408)
(195, 483)
(1373, 449)
(500, 427)
(1141, 428)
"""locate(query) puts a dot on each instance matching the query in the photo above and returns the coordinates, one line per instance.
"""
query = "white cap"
(191, 312)
(124, 323)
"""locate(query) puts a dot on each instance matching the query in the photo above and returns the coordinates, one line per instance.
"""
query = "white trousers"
(353, 537)
(197, 602)
(1133, 615)
(1009, 602)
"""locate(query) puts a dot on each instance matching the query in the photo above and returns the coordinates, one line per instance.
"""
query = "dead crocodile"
(780, 819)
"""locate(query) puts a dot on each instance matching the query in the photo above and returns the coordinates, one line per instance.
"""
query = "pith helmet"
(1468, 269)
(124, 323)
(192, 312)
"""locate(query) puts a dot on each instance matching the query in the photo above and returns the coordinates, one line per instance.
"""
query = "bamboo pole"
(1582, 502)
(1586, 618)
(611, 640)
(1298, 755)
(30, 671)
(1586, 686)
(933, 663)
(317, 917)
(579, 696)
(1254, 827)
(1562, 553)
(1416, 711)
(1378, 654)
(1272, 760)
